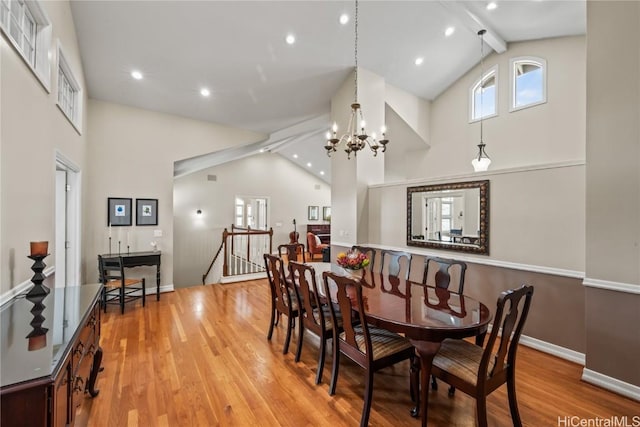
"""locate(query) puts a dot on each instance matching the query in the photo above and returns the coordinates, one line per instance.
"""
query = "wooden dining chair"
(293, 252)
(316, 316)
(283, 299)
(117, 289)
(373, 267)
(394, 268)
(477, 371)
(370, 347)
(446, 269)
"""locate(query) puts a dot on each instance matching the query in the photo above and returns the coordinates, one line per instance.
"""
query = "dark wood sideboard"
(51, 355)
(323, 231)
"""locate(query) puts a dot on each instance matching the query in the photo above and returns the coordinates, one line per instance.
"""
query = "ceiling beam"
(472, 22)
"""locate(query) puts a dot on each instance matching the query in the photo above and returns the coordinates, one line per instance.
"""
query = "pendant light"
(482, 161)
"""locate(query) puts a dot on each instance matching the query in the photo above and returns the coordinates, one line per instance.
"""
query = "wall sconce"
(199, 212)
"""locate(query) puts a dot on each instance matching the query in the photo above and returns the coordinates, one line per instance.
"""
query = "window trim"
(486, 75)
(533, 60)
(41, 65)
(65, 68)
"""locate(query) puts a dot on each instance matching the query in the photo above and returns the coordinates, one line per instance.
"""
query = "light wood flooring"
(200, 357)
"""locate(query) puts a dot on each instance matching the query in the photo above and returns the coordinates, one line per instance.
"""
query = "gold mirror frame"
(477, 244)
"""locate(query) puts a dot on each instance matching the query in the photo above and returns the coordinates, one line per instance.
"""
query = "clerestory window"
(528, 82)
(483, 96)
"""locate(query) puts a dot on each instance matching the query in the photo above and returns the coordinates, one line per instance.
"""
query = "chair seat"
(328, 322)
(117, 283)
(460, 359)
(384, 343)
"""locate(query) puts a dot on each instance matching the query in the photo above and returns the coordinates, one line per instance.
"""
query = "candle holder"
(37, 279)
(128, 249)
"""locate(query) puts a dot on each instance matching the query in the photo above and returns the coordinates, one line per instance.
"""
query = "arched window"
(528, 82)
(483, 96)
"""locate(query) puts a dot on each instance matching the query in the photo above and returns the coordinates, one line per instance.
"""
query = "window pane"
(484, 99)
(529, 85)
(446, 209)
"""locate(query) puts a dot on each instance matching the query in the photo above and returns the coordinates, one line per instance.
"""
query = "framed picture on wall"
(118, 211)
(326, 213)
(146, 211)
(314, 212)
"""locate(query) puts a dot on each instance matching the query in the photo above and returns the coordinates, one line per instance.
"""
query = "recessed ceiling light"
(321, 172)
(449, 31)
(205, 92)
(136, 75)
(419, 60)
(344, 19)
(290, 39)
(295, 156)
(309, 164)
(492, 5)
(262, 150)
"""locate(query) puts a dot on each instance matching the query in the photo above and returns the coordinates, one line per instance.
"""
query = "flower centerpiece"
(352, 260)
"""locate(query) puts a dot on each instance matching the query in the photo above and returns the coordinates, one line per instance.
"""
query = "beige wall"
(32, 129)
(289, 188)
(551, 132)
(131, 153)
(613, 190)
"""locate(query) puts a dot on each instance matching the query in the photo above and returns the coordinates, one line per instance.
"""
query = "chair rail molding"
(22, 287)
(628, 288)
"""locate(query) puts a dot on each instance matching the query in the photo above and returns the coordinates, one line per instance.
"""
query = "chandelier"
(481, 162)
(356, 138)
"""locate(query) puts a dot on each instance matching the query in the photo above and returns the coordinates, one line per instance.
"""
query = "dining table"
(425, 315)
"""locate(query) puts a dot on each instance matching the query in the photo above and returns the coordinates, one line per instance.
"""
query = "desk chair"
(118, 289)
(477, 371)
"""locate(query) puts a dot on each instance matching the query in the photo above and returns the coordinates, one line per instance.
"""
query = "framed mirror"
(454, 216)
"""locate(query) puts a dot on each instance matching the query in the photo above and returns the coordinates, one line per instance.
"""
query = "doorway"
(67, 222)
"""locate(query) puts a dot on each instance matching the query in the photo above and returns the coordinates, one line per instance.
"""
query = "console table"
(139, 259)
(50, 355)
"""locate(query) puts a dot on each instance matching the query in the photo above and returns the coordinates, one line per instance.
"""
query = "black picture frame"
(119, 211)
(313, 213)
(146, 212)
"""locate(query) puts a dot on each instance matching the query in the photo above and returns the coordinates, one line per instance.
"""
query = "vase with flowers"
(352, 260)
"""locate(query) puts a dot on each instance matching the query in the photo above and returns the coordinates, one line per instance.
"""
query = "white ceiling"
(258, 82)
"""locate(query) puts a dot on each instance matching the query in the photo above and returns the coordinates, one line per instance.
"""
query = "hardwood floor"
(200, 357)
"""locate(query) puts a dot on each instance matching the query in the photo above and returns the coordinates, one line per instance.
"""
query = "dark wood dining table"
(424, 314)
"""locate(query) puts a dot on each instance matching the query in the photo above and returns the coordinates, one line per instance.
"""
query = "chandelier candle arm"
(355, 140)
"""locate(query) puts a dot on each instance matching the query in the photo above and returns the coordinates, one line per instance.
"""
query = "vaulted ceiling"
(257, 81)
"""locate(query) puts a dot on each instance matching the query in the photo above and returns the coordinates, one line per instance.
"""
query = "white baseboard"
(243, 277)
(554, 350)
(612, 384)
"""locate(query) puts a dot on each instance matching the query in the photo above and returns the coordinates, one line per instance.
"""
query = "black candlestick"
(38, 336)
(109, 245)
(118, 246)
(38, 277)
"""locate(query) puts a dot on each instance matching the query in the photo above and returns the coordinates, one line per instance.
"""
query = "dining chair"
(283, 299)
(116, 288)
(370, 347)
(477, 371)
(316, 316)
(373, 267)
(394, 268)
(446, 269)
(293, 252)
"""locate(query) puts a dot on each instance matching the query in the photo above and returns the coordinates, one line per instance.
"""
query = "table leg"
(427, 351)
(158, 282)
